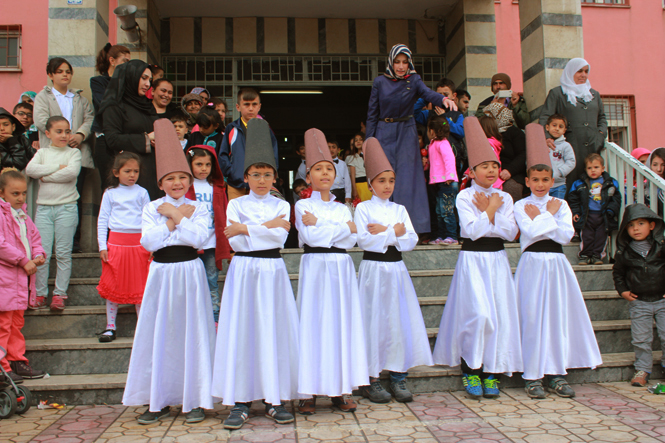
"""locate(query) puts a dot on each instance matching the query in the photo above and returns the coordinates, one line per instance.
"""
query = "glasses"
(257, 176)
(24, 114)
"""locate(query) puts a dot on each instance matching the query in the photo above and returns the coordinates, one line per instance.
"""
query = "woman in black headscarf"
(127, 117)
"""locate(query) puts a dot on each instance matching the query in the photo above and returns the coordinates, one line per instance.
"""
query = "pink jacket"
(14, 287)
(442, 162)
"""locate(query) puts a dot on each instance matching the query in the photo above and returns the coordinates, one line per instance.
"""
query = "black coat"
(513, 153)
(610, 201)
(16, 151)
(643, 276)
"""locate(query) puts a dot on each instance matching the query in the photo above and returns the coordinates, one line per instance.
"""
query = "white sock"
(138, 309)
(111, 314)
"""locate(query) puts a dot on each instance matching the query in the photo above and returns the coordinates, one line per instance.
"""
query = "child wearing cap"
(333, 359)
(556, 330)
(480, 325)
(171, 360)
(395, 333)
(256, 357)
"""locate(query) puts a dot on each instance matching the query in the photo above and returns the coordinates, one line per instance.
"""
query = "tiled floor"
(607, 412)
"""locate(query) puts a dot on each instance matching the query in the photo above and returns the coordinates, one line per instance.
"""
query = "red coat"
(219, 203)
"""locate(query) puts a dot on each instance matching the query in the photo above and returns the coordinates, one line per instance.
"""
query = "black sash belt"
(545, 246)
(175, 254)
(311, 250)
(266, 253)
(398, 119)
(483, 244)
(361, 179)
(391, 255)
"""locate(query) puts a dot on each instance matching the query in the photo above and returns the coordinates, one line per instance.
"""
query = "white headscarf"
(568, 85)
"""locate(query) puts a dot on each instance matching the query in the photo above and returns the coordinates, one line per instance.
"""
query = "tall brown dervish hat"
(316, 148)
(376, 161)
(258, 147)
(537, 152)
(169, 156)
(478, 147)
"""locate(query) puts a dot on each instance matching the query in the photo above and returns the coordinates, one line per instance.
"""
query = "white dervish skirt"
(556, 330)
(171, 360)
(480, 321)
(333, 359)
(395, 332)
(256, 355)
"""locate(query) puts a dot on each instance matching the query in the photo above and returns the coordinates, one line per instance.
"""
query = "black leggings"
(467, 370)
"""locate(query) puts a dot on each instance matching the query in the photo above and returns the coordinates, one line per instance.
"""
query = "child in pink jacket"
(443, 174)
(20, 254)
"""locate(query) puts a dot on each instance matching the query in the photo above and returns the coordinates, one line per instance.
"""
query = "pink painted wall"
(624, 47)
(34, 49)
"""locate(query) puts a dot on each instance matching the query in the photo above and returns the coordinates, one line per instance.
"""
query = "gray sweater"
(563, 161)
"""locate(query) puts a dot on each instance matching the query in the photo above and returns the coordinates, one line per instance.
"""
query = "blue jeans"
(212, 273)
(558, 192)
(445, 210)
(56, 225)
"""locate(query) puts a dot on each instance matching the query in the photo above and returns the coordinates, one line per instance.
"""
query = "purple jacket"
(14, 289)
(442, 162)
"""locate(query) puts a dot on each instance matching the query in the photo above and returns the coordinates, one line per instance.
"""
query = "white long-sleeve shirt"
(57, 186)
(189, 232)
(253, 210)
(331, 229)
(386, 213)
(557, 227)
(475, 224)
(121, 211)
(342, 179)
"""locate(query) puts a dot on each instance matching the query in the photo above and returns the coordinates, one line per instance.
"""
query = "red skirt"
(126, 271)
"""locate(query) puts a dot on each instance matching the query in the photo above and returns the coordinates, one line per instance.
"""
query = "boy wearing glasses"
(256, 356)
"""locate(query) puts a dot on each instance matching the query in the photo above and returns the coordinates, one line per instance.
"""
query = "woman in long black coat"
(127, 118)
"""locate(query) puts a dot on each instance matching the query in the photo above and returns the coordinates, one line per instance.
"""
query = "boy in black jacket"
(639, 277)
(15, 151)
(594, 200)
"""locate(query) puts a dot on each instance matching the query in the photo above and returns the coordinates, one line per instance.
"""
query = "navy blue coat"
(395, 99)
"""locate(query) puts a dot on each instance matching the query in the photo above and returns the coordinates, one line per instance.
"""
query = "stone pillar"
(471, 48)
(551, 34)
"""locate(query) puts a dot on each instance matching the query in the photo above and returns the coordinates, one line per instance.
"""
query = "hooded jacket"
(219, 204)
(610, 201)
(643, 276)
(190, 98)
(15, 152)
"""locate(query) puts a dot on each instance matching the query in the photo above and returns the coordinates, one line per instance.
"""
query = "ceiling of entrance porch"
(388, 9)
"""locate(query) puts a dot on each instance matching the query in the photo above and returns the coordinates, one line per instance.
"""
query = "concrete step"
(108, 388)
(428, 283)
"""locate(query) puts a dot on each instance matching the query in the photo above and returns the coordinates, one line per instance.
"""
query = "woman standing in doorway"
(356, 163)
(390, 120)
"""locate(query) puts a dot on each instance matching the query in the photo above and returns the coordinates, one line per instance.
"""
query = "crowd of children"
(253, 340)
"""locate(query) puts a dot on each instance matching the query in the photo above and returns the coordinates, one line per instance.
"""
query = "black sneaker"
(560, 387)
(196, 415)
(595, 260)
(148, 418)
(584, 260)
(279, 414)
(376, 393)
(104, 337)
(402, 394)
(17, 379)
(238, 416)
(24, 370)
(534, 388)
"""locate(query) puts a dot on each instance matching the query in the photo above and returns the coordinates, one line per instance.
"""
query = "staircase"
(84, 371)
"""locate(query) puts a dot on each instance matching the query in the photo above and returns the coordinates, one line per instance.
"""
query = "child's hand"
(532, 211)
(495, 201)
(278, 222)
(481, 201)
(375, 228)
(75, 140)
(39, 260)
(166, 209)
(352, 227)
(234, 229)
(629, 296)
(63, 166)
(35, 146)
(400, 229)
(30, 268)
(505, 175)
(576, 217)
(4, 137)
(553, 206)
(187, 210)
(104, 255)
(308, 219)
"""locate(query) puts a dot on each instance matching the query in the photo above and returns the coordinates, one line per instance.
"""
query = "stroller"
(14, 399)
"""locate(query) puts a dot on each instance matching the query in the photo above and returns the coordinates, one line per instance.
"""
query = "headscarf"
(30, 94)
(198, 90)
(503, 116)
(191, 121)
(124, 88)
(568, 85)
(394, 52)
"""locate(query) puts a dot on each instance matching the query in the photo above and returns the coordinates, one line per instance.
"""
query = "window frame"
(7, 32)
(593, 4)
(632, 129)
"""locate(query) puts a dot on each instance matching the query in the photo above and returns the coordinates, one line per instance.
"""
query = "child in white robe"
(395, 332)
(557, 333)
(171, 360)
(480, 325)
(256, 355)
(333, 360)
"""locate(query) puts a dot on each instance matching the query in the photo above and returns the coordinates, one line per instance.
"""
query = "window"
(10, 47)
(621, 125)
(606, 2)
